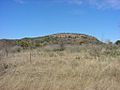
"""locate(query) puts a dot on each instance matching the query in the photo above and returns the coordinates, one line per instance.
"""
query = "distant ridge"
(64, 38)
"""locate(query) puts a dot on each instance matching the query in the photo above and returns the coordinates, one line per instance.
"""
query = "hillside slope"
(64, 38)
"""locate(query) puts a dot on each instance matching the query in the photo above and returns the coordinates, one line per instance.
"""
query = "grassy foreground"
(87, 67)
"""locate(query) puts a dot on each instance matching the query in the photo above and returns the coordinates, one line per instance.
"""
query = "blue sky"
(32, 18)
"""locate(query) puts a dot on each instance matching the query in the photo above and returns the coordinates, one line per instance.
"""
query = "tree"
(23, 44)
(117, 42)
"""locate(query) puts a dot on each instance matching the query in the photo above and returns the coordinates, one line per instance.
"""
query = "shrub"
(24, 44)
(117, 42)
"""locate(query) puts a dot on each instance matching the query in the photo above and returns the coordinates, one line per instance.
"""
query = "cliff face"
(75, 38)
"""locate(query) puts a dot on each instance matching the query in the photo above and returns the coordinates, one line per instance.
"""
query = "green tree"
(117, 42)
(23, 44)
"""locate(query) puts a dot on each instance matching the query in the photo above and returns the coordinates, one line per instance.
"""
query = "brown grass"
(76, 68)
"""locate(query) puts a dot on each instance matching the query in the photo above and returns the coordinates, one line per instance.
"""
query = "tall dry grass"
(87, 67)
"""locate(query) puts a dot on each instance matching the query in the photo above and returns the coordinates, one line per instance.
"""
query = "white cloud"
(115, 4)
(19, 1)
(76, 2)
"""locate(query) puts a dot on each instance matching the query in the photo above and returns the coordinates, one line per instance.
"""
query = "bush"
(117, 42)
(24, 44)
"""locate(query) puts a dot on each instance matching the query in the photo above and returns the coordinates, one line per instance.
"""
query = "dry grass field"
(85, 67)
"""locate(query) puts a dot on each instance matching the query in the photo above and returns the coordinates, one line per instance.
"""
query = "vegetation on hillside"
(65, 38)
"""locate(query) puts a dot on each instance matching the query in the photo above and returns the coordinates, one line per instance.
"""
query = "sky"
(33, 18)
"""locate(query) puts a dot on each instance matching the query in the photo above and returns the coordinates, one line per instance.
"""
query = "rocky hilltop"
(60, 38)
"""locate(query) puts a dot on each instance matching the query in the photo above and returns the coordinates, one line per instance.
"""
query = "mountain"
(7, 42)
(60, 38)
